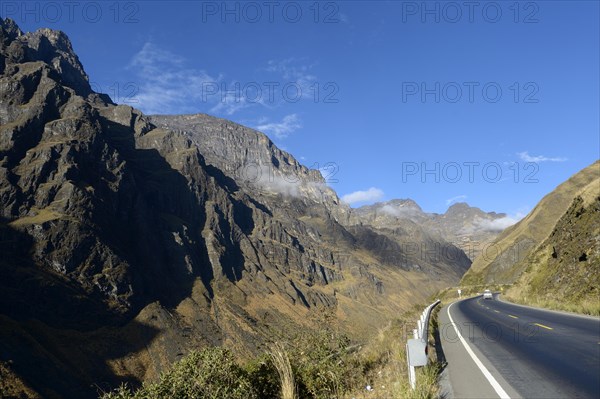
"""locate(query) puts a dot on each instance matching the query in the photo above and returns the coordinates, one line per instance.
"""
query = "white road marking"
(499, 390)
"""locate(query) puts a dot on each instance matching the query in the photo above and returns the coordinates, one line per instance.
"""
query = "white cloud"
(230, 103)
(397, 211)
(281, 130)
(496, 224)
(272, 180)
(269, 179)
(500, 224)
(286, 185)
(370, 195)
(166, 84)
(296, 74)
(458, 198)
(538, 158)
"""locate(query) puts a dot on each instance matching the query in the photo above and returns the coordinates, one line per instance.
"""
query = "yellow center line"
(543, 326)
(514, 317)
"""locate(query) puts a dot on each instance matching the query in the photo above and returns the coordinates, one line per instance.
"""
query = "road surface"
(507, 350)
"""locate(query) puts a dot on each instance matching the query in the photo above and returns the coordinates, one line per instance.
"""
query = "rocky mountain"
(264, 171)
(126, 240)
(558, 238)
(251, 159)
(468, 228)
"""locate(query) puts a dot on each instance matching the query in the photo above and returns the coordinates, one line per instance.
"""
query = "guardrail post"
(412, 377)
(416, 349)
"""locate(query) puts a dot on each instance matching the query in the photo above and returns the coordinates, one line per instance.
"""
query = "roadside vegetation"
(317, 364)
(587, 306)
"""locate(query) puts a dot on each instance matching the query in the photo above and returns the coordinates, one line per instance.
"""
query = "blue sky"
(494, 105)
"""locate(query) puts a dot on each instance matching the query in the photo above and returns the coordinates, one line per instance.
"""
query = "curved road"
(498, 349)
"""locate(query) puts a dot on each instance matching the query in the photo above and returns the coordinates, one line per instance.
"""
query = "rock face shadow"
(49, 327)
(139, 233)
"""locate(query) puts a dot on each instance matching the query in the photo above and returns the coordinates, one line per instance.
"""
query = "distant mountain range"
(469, 228)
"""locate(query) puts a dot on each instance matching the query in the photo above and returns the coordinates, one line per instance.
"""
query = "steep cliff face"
(128, 240)
(253, 161)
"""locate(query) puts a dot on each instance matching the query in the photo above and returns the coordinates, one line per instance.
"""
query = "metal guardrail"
(416, 348)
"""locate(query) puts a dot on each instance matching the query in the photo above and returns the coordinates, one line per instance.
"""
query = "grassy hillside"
(503, 261)
(563, 272)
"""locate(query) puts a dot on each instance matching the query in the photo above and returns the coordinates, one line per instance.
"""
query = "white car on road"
(487, 294)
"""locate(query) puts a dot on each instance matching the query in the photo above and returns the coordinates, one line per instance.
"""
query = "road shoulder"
(465, 377)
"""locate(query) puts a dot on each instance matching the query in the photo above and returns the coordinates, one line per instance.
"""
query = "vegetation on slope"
(321, 364)
(564, 271)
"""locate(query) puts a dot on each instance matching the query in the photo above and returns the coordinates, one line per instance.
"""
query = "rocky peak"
(251, 159)
(387, 214)
(462, 211)
(458, 207)
(49, 46)
(9, 28)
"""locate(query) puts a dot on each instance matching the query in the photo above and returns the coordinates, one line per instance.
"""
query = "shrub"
(323, 363)
(211, 373)
(263, 375)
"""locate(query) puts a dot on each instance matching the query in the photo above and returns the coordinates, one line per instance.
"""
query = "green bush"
(211, 373)
(263, 375)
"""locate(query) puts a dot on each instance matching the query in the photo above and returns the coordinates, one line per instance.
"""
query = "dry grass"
(12, 386)
(281, 362)
(586, 306)
(42, 216)
(555, 276)
(386, 365)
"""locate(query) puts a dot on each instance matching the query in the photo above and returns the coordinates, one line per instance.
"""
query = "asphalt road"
(507, 350)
